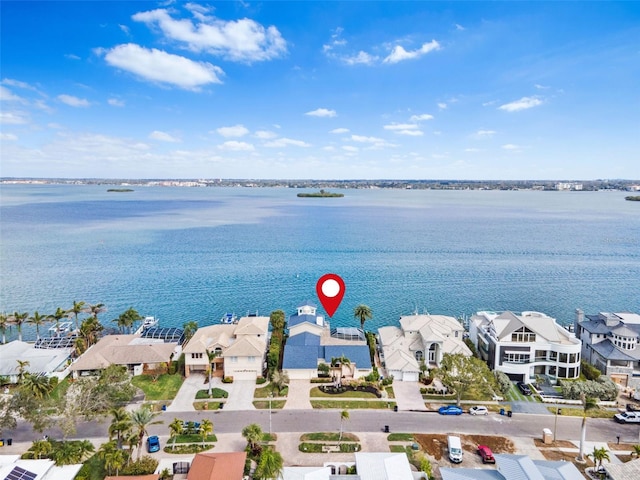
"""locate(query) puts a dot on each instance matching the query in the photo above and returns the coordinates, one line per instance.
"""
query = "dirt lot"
(436, 445)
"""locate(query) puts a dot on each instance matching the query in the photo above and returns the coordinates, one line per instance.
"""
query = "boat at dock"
(229, 318)
(147, 323)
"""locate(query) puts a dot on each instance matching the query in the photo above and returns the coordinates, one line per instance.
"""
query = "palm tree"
(22, 366)
(189, 329)
(253, 435)
(113, 458)
(67, 453)
(599, 455)
(78, 307)
(212, 356)
(18, 319)
(94, 310)
(37, 320)
(38, 385)
(269, 466)
(636, 451)
(142, 418)
(59, 315)
(41, 448)
(4, 323)
(175, 428)
(344, 416)
(279, 379)
(132, 442)
(362, 313)
(84, 448)
(588, 403)
(90, 330)
(127, 319)
(121, 425)
(206, 429)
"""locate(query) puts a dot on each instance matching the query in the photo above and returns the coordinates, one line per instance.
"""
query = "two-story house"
(525, 345)
(611, 343)
(420, 339)
(238, 350)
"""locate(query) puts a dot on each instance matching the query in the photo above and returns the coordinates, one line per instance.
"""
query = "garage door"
(410, 376)
(244, 375)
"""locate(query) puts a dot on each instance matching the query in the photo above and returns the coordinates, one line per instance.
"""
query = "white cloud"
(163, 137)
(17, 83)
(238, 40)
(401, 126)
(73, 101)
(412, 133)
(7, 95)
(162, 67)
(362, 58)
(421, 117)
(234, 145)
(125, 29)
(71, 56)
(541, 87)
(442, 106)
(484, 133)
(8, 136)
(471, 150)
(265, 134)
(234, 131)
(284, 142)
(460, 27)
(114, 102)
(13, 118)
(349, 148)
(399, 53)
(363, 139)
(523, 104)
(329, 148)
(339, 130)
(322, 112)
(511, 147)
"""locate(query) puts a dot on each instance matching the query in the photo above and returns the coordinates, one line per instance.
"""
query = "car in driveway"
(479, 410)
(153, 444)
(627, 417)
(486, 454)
(450, 410)
(524, 388)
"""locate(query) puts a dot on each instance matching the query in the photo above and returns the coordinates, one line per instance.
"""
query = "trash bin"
(164, 408)
(559, 411)
(1, 442)
(221, 405)
(547, 436)
(395, 408)
(509, 413)
(502, 411)
(386, 429)
(9, 441)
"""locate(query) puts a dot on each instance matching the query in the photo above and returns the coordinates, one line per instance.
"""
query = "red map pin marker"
(330, 289)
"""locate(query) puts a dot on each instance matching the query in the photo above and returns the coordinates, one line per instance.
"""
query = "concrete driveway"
(187, 393)
(240, 394)
(408, 396)
(298, 396)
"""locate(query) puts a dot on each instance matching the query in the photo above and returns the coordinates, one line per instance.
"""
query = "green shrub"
(260, 380)
(590, 372)
(227, 380)
(145, 466)
(374, 376)
(387, 380)
(322, 380)
(504, 383)
(603, 389)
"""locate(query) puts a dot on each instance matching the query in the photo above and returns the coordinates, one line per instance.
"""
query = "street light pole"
(270, 397)
(555, 425)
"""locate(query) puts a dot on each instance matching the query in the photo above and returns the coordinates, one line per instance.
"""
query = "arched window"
(419, 355)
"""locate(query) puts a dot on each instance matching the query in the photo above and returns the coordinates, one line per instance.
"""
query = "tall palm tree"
(94, 310)
(67, 453)
(344, 416)
(37, 320)
(588, 404)
(175, 428)
(4, 323)
(78, 307)
(212, 356)
(636, 451)
(142, 418)
(121, 425)
(18, 319)
(253, 435)
(206, 429)
(127, 319)
(362, 313)
(59, 315)
(279, 380)
(113, 458)
(189, 328)
(84, 448)
(38, 385)
(22, 367)
(599, 455)
(269, 466)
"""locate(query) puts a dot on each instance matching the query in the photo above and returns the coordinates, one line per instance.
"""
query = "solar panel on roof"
(20, 474)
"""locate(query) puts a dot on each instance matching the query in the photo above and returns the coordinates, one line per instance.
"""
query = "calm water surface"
(195, 253)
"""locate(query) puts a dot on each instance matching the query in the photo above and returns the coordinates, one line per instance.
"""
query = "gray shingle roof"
(608, 350)
(595, 327)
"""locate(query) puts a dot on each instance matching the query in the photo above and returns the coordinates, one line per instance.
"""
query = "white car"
(479, 410)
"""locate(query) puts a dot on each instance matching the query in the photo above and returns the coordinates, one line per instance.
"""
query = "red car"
(486, 454)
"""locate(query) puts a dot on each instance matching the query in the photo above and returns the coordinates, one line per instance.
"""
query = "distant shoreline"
(120, 190)
(320, 194)
(632, 198)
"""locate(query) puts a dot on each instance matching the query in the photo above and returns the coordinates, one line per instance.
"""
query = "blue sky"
(321, 90)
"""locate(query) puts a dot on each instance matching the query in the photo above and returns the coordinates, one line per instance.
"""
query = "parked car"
(479, 410)
(524, 388)
(632, 407)
(153, 444)
(486, 454)
(450, 410)
(627, 417)
(454, 445)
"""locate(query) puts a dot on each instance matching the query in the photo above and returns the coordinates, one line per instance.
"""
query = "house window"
(523, 334)
(234, 359)
(218, 351)
(196, 355)
(252, 359)
(456, 333)
(563, 358)
(419, 355)
(553, 356)
(573, 358)
(517, 357)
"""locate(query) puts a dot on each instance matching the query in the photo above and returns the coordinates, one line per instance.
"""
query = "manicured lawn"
(61, 387)
(265, 391)
(264, 404)
(515, 395)
(164, 388)
(316, 392)
(578, 412)
(400, 437)
(215, 393)
(210, 405)
(317, 447)
(352, 404)
(93, 469)
(192, 439)
(389, 391)
(328, 437)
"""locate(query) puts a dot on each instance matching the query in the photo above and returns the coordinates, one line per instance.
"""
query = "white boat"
(229, 318)
(147, 323)
(62, 329)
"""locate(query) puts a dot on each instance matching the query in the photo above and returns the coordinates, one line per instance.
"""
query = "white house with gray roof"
(419, 339)
(611, 343)
(40, 361)
(525, 345)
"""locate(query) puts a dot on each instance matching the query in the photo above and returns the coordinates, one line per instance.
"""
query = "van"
(455, 449)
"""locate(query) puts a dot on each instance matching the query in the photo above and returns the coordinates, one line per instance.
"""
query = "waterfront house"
(239, 349)
(13, 467)
(611, 343)
(525, 345)
(138, 354)
(312, 341)
(420, 340)
(40, 361)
